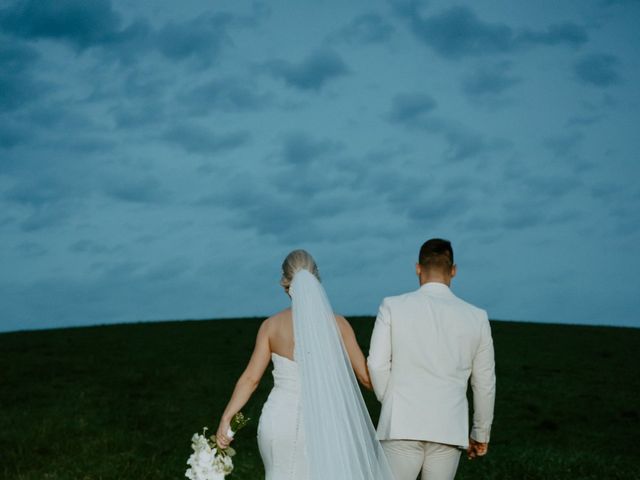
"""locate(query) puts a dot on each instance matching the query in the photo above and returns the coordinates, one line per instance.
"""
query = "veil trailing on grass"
(340, 438)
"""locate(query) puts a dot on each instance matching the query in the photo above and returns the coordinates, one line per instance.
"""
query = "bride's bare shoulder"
(281, 316)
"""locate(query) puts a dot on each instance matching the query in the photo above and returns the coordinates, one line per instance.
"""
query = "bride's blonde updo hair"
(297, 260)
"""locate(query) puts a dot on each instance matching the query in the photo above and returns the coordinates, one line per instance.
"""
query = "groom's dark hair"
(436, 253)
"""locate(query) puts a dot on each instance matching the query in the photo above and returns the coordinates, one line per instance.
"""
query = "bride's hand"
(221, 435)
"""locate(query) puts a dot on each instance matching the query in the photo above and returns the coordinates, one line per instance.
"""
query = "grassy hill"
(121, 402)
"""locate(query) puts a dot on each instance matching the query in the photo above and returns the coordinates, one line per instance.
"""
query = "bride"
(314, 425)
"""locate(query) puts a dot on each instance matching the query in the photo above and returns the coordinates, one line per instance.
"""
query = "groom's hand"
(476, 449)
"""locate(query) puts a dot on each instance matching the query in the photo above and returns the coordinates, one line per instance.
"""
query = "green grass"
(121, 402)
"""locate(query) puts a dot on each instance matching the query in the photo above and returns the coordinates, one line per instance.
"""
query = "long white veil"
(340, 438)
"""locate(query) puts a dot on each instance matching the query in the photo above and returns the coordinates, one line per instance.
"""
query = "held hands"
(476, 449)
(222, 435)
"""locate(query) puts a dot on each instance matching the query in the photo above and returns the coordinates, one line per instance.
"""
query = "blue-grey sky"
(159, 159)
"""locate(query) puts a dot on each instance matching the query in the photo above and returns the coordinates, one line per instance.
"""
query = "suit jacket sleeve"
(483, 384)
(379, 361)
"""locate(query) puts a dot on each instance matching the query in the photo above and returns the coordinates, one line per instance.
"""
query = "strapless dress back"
(280, 429)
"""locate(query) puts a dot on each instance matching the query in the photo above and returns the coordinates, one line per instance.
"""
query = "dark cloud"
(414, 111)
(423, 196)
(132, 115)
(18, 85)
(457, 32)
(300, 148)
(365, 29)
(584, 120)
(11, 135)
(438, 209)
(200, 38)
(146, 189)
(522, 215)
(552, 186)
(564, 145)
(312, 73)
(145, 290)
(46, 216)
(541, 208)
(30, 249)
(196, 139)
(559, 34)
(284, 214)
(84, 25)
(488, 81)
(140, 99)
(40, 189)
(597, 69)
(226, 94)
(411, 107)
(92, 247)
(609, 3)
(463, 143)
(80, 23)
(44, 194)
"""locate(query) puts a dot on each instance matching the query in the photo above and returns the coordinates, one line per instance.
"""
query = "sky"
(159, 159)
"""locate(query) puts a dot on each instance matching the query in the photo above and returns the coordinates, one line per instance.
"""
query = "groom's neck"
(435, 279)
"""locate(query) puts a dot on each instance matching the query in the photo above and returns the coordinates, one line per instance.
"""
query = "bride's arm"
(358, 362)
(247, 383)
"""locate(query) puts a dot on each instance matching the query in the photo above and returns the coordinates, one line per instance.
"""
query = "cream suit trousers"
(408, 457)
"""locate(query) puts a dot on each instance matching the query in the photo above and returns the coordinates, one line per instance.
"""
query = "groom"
(425, 346)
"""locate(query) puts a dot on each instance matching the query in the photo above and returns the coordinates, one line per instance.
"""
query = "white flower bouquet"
(208, 461)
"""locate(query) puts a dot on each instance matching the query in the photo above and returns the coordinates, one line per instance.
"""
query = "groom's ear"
(418, 269)
(454, 270)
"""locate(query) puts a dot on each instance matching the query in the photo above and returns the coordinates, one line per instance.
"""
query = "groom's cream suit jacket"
(425, 347)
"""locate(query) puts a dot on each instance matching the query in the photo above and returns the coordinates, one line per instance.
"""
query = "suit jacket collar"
(436, 288)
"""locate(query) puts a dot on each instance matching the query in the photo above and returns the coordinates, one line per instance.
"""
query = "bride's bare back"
(281, 334)
(279, 329)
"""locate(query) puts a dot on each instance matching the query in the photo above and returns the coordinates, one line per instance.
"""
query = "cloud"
(414, 110)
(489, 81)
(18, 86)
(196, 139)
(608, 3)
(365, 29)
(46, 216)
(424, 196)
(92, 247)
(312, 73)
(45, 192)
(300, 148)
(597, 69)
(132, 115)
(225, 94)
(457, 32)
(438, 209)
(282, 213)
(411, 107)
(30, 249)
(11, 135)
(36, 191)
(201, 38)
(95, 24)
(559, 34)
(145, 290)
(564, 145)
(146, 189)
(463, 143)
(80, 23)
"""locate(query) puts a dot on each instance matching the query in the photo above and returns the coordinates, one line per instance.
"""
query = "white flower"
(206, 462)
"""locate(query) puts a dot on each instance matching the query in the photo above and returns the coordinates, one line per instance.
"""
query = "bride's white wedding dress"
(280, 432)
(315, 424)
